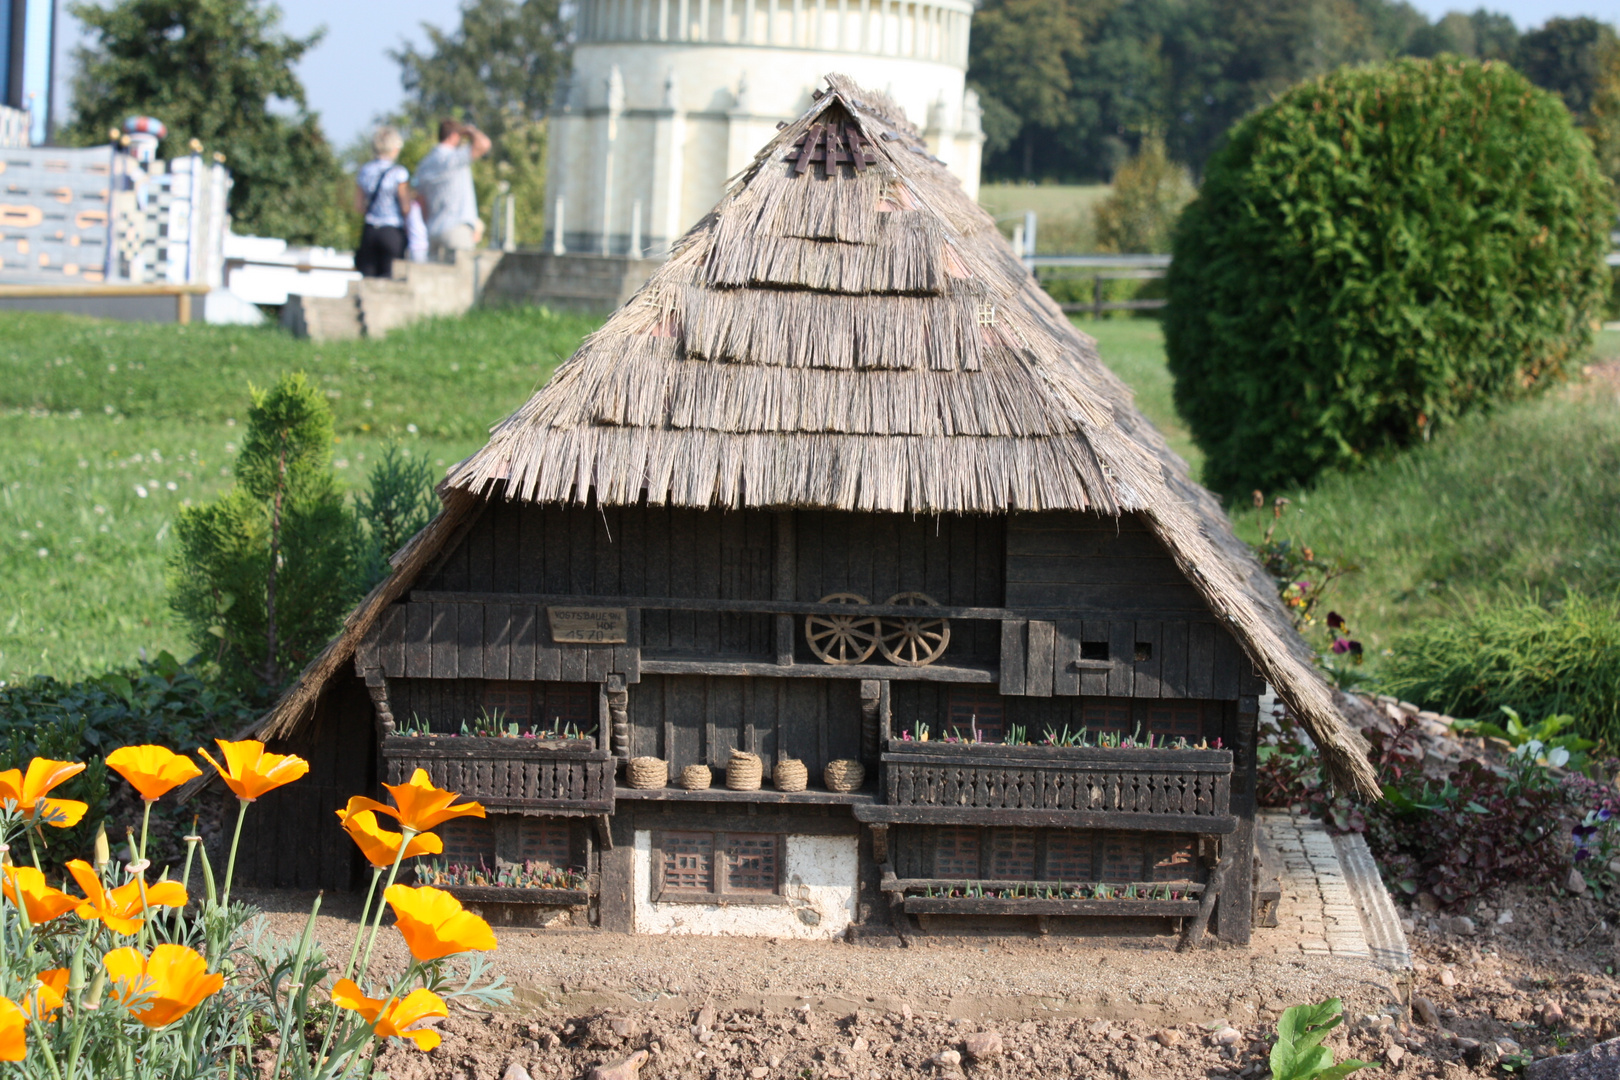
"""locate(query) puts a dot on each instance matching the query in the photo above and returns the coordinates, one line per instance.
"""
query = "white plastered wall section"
(820, 878)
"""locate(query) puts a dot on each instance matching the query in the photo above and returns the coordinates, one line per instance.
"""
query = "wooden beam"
(934, 673)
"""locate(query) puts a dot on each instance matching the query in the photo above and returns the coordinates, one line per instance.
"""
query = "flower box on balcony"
(1161, 789)
(546, 776)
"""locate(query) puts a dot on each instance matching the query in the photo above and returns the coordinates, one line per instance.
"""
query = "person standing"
(445, 180)
(381, 194)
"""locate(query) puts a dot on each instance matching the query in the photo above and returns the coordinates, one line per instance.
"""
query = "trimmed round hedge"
(1379, 251)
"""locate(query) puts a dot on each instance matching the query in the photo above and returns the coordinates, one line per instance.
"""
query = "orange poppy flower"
(154, 771)
(121, 908)
(250, 772)
(48, 994)
(27, 791)
(25, 887)
(419, 805)
(378, 845)
(13, 1031)
(396, 1018)
(434, 923)
(171, 982)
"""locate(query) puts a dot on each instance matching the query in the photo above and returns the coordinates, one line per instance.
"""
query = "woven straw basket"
(647, 772)
(845, 775)
(696, 778)
(791, 775)
(744, 771)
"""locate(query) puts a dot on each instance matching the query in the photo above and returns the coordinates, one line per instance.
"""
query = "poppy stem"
(230, 864)
(407, 834)
(146, 821)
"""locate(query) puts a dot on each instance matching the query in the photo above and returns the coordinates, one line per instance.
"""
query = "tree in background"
(1022, 52)
(264, 575)
(1377, 253)
(210, 70)
(499, 70)
(1149, 192)
(398, 505)
(1070, 88)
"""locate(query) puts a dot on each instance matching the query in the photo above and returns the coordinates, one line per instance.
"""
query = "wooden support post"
(871, 702)
(782, 584)
(618, 700)
(182, 308)
(1194, 934)
(377, 687)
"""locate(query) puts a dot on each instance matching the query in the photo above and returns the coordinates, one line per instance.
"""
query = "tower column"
(669, 140)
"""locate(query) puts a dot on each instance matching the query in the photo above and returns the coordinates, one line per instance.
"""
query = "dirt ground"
(1538, 982)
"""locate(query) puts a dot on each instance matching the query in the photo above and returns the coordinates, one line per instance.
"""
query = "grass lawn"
(107, 428)
(1063, 224)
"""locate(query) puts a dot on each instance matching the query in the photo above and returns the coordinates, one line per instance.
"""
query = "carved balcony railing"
(1161, 789)
(531, 776)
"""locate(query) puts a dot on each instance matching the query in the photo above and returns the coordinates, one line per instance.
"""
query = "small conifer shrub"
(1376, 253)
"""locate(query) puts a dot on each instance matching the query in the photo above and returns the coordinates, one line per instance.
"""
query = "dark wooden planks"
(1014, 663)
(1041, 641)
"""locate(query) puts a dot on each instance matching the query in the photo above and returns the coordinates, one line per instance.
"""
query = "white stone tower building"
(669, 98)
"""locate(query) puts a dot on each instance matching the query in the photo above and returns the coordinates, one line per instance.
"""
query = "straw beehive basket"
(696, 778)
(845, 775)
(744, 771)
(791, 775)
(647, 772)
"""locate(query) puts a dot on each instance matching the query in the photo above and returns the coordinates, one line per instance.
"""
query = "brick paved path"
(1317, 915)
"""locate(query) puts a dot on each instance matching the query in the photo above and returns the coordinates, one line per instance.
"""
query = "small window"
(1107, 714)
(1122, 856)
(542, 704)
(956, 854)
(1182, 719)
(1094, 650)
(1144, 651)
(547, 842)
(1012, 854)
(468, 841)
(970, 708)
(1068, 855)
(717, 868)
(1173, 859)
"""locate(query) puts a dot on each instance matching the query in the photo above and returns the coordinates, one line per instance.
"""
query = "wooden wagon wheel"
(842, 639)
(913, 642)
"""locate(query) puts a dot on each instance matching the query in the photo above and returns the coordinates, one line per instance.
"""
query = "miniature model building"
(835, 581)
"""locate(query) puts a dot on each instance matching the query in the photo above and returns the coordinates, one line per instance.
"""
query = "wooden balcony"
(531, 776)
(1177, 899)
(1164, 790)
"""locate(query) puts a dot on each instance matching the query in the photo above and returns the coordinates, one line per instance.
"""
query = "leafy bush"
(1538, 659)
(1451, 837)
(1377, 253)
(161, 700)
(1149, 193)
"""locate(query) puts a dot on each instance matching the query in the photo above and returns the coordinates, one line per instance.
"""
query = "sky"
(350, 79)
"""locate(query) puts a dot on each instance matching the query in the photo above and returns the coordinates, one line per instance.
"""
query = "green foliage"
(1072, 88)
(398, 504)
(499, 67)
(210, 70)
(1544, 734)
(1149, 193)
(157, 701)
(1484, 35)
(97, 492)
(1541, 659)
(1298, 1053)
(1380, 252)
(1453, 837)
(264, 575)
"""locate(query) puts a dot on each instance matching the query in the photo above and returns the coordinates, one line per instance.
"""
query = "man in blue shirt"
(445, 180)
(382, 195)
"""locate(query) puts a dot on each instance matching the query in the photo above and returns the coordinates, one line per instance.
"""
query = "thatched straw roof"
(864, 340)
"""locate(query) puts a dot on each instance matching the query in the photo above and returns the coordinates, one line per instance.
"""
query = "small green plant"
(1298, 1053)
(398, 505)
(263, 575)
(1544, 733)
(489, 725)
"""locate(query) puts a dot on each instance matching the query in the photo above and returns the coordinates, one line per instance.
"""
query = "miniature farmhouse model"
(834, 582)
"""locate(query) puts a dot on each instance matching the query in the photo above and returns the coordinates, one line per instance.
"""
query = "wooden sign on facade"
(589, 625)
